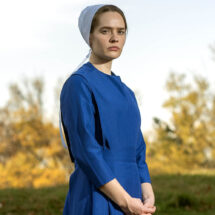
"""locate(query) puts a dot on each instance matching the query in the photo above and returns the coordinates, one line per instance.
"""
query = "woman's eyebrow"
(111, 27)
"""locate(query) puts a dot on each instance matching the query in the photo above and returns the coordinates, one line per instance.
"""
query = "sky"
(41, 38)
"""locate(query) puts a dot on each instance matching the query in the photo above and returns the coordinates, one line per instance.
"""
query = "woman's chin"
(113, 55)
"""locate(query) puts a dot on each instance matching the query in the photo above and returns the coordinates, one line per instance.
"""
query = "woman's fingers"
(149, 209)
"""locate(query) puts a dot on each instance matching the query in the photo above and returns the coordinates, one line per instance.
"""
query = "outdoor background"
(168, 61)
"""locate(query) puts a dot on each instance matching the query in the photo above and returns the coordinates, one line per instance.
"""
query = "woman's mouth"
(113, 48)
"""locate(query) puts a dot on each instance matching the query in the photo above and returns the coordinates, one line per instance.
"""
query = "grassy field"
(175, 195)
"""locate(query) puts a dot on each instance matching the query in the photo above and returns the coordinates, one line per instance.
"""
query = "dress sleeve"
(141, 159)
(78, 116)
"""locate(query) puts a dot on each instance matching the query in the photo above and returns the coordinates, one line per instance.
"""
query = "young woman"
(101, 121)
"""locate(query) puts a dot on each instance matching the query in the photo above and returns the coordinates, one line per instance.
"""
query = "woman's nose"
(114, 37)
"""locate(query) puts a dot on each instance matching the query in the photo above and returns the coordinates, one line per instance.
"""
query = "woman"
(101, 121)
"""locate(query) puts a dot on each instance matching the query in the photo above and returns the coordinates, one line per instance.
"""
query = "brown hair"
(104, 9)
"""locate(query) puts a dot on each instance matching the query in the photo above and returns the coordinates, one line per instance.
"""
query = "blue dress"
(101, 121)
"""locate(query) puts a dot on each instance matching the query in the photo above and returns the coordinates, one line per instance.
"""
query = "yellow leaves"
(171, 102)
(15, 172)
(23, 170)
(192, 97)
(192, 127)
(31, 151)
(36, 162)
(49, 177)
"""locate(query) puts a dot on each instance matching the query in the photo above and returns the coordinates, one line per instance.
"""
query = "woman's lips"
(113, 48)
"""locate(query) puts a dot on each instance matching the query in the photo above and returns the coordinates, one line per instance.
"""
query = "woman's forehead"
(110, 20)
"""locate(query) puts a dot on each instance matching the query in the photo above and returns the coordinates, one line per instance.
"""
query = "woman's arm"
(78, 116)
(116, 192)
(145, 179)
(141, 159)
(129, 204)
(147, 193)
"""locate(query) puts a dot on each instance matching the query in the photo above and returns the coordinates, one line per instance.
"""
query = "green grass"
(174, 194)
(183, 195)
(29, 201)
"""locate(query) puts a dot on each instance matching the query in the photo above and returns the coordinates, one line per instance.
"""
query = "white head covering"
(85, 20)
(84, 24)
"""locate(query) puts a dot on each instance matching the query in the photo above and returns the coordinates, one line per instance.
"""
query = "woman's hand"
(135, 206)
(149, 203)
(148, 195)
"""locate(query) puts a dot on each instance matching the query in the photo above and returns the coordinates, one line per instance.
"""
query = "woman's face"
(109, 32)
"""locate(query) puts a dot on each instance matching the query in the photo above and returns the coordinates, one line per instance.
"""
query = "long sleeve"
(141, 159)
(78, 116)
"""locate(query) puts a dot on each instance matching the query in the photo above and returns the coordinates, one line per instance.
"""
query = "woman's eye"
(122, 32)
(104, 31)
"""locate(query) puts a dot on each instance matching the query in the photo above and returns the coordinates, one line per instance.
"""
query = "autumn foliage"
(30, 147)
(32, 155)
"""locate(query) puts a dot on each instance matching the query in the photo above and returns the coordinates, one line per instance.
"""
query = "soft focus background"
(168, 61)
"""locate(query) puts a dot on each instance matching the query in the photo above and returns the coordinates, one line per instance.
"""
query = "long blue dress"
(101, 119)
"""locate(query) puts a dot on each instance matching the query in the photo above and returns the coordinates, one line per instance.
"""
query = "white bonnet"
(84, 24)
(85, 20)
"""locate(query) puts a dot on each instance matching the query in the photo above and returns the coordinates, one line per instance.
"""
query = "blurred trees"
(188, 141)
(31, 153)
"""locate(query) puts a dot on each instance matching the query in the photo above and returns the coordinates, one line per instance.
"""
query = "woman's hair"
(104, 9)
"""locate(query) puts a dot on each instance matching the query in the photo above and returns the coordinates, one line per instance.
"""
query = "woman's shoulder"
(80, 76)
(129, 89)
(76, 84)
(76, 78)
